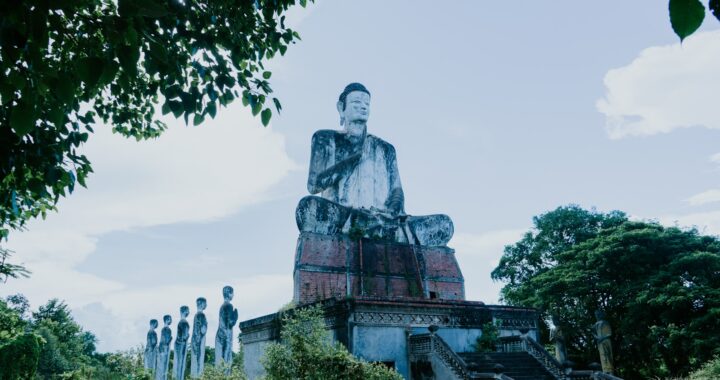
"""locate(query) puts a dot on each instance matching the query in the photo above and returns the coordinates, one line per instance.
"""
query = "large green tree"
(68, 65)
(659, 288)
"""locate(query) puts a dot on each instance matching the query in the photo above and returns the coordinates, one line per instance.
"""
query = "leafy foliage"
(709, 370)
(487, 341)
(8, 269)
(659, 288)
(306, 351)
(66, 65)
(686, 16)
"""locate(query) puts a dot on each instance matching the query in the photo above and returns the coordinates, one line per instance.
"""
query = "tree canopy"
(658, 286)
(67, 65)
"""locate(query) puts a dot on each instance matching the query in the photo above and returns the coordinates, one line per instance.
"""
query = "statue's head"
(228, 293)
(599, 315)
(201, 303)
(354, 104)
(153, 324)
(184, 311)
(167, 320)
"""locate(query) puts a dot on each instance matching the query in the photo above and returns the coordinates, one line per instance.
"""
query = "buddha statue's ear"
(340, 105)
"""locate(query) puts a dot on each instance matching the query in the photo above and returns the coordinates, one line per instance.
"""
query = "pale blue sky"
(493, 110)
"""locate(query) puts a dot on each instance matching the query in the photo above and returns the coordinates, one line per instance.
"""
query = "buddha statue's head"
(153, 324)
(167, 320)
(354, 104)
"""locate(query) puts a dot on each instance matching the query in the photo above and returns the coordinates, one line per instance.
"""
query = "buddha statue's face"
(357, 108)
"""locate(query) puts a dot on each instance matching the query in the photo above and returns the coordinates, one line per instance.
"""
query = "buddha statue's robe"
(359, 184)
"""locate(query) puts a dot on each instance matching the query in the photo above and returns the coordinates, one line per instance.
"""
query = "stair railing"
(529, 345)
(422, 346)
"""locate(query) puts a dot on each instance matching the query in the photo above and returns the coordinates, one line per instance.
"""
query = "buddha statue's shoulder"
(325, 136)
(380, 143)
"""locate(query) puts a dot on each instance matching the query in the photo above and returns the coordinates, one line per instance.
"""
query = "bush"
(306, 351)
(486, 342)
(709, 371)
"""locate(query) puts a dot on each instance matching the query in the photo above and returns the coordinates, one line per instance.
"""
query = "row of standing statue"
(601, 332)
(157, 353)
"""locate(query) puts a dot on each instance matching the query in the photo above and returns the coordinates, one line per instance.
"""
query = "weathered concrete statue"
(197, 346)
(558, 338)
(224, 337)
(602, 333)
(181, 343)
(151, 346)
(163, 355)
(358, 180)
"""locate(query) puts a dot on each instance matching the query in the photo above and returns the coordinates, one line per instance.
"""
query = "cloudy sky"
(498, 112)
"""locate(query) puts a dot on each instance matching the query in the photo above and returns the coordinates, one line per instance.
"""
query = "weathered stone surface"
(224, 337)
(183, 333)
(197, 345)
(357, 177)
(376, 329)
(150, 354)
(163, 355)
(337, 266)
(602, 333)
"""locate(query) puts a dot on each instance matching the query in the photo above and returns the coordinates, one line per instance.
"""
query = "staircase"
(517, 365)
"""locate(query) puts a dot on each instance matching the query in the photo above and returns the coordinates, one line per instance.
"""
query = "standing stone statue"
(181, 343)
(558, 338)
(224, 337)
(163, 355)
(197, 346)
(151, 347)
(357, 177)
(602, 333)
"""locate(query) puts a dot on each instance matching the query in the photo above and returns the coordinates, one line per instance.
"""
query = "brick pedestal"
(338, 267)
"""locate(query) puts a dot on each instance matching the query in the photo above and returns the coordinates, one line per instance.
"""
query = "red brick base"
(338, 267)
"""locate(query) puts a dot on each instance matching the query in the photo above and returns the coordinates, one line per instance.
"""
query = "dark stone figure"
(558, 338)
(163, 355)
(602, 333)
(357, 177)
(197, 346)
(181, 343)
(151, 347)
(224, 337)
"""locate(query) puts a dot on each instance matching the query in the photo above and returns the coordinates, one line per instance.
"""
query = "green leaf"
(686, 16)
(265, 116)
(22, 118)
(176, 107)
(256, 107)
(267, 75)
(129, 56)
(212, 109)
(198, 119)
(278, 106)
(89, 70)
(714, 6)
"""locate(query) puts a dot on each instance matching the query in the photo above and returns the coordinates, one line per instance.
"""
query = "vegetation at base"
(658, 286)
(306, 351)
(67, 66)
(708, 371)
(489, 338)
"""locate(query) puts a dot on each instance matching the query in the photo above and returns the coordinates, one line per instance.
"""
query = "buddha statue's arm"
(323, 175)
(396, 199)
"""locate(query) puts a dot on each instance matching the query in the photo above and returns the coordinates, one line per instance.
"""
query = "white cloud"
(190, 174)
(478, 255)
(709, 196)
(715, 158)
(665, 88)
(707, 223)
